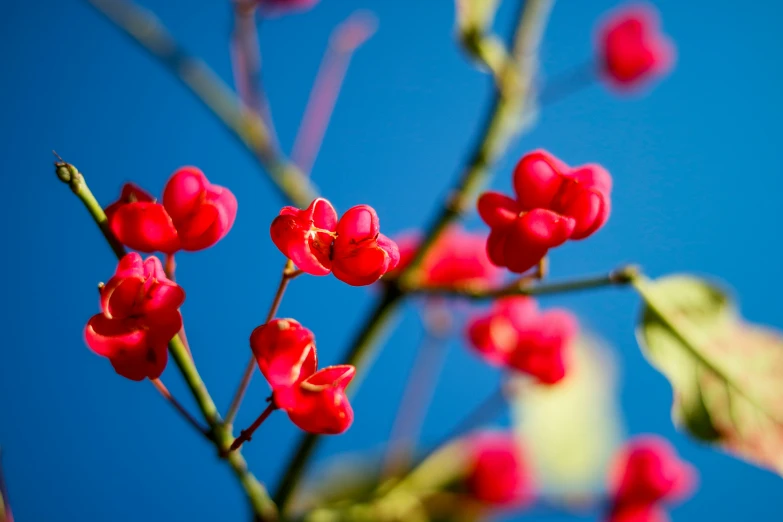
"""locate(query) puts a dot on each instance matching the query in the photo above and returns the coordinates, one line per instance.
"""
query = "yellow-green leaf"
(727, 375)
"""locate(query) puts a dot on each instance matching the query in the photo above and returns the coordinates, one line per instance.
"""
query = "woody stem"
(289, 272)
(529, 286)
(246, 435)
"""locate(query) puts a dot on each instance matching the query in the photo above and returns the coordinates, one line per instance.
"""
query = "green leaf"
(727, 375)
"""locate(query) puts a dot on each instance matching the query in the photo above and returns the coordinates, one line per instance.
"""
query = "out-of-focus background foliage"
(696, 165)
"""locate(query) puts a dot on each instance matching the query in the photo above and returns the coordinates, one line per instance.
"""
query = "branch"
(343, 42)
(158, 384)
(289, 272)
(257, 496)
(416, 399)
(622, 276)
(507, 106)
(243, 122)
(247, 435)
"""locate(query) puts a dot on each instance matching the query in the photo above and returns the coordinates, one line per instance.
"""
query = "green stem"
(193, 380)
(621, 276)
(144, 28)
(69, 175)
(263, 508)
(501, 125)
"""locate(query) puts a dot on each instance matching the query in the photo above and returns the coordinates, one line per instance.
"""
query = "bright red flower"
(361, 254)
(632, 48)
(306, 236)
(457, 258)
(194, 215)
(140, 315)
(498, 474)
(647, 472)
(553, 203)
(515, 334)
(352, 248)
(314, 400)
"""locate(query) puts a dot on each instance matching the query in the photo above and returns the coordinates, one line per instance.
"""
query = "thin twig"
(158, 384)
(247, 434)
(289, 273)
(528, 286)
(344, 41)
(483, 412)
(419, 390)
(558, 88)
(246, 125)
(246, 64)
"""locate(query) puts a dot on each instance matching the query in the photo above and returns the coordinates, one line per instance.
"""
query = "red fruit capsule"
(306, 236)
(140, 315)
(631, 47)
(554, 203)
(648, 471)
(285, 353)
(638, 513)
(321, 405)
(194, 215)
(314, 400)
(516, 335)
(361, 254)
(202, 213)
(498, 474)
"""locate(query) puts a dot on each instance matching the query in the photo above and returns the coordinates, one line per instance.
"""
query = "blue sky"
(696, 165)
